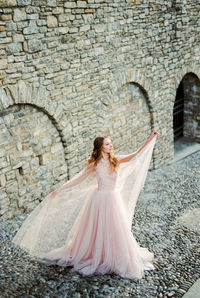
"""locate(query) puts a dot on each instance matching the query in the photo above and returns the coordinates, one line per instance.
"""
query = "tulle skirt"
(101, 241)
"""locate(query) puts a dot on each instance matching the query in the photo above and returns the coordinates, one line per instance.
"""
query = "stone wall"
(90, 68)
(31, 158)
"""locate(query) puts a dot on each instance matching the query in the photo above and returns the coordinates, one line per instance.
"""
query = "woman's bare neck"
(105, 156)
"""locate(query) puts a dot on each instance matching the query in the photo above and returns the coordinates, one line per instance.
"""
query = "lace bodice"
(105, 178)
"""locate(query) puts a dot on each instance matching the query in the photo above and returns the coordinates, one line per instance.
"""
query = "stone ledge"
(194, 291)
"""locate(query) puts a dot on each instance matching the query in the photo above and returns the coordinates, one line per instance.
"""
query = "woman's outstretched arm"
(130, 156)
(74, 181)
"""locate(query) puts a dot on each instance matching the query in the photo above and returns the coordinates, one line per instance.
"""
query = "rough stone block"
(3, 63)
(52, 21)
(73, 30)
(41, 22)
(46, 142)
(2, 152)
(8, 3)
(81, 4)
(25, 46)
(34, 45)
(99, 51)
(11, 187)
(56, 147)
(2, 180)
(99, 28)
(63, 18)
(89, 10)
(30, 30)
(22, 24)
(4, 98)
(2, 28)
(34, 162)
(2, 35)
(63, 30)
(52, 3)
(10, 175)
(23, 2)
(56, 172)
(27, 153)
(13, 48)
(45, 158)
(15, 160)
(20, 182)
(85, 28)
(19, 14)
(70, 4)
(5, 40)
(18, 38)
(58, 10)
(17, 165)
(33, 16)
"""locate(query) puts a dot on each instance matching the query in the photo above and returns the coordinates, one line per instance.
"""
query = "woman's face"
(107, 146)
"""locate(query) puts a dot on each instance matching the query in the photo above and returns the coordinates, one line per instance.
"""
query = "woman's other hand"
(54, 194)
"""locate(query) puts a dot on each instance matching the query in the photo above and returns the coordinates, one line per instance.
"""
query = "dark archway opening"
(178, 112)
(186, 117)
(186, 111)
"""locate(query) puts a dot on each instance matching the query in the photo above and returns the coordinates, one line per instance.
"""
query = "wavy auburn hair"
(97, 154)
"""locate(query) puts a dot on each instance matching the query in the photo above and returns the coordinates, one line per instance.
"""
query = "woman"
(93, 221)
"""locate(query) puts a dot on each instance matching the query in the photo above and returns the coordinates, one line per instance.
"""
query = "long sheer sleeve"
(77, 179)
(132, 176)
(39, 232)
(128, 157)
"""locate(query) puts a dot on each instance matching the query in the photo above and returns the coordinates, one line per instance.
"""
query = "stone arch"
(135, 76)
(22, 93)
(38, 97)
(130, 75)
(29, 165)
(190, 68)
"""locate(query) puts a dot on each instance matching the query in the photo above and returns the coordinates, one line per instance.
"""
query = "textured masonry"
(73, 70)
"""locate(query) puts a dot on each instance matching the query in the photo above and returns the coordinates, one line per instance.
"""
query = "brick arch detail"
(191, 68)
(28, 94)
(130, 75)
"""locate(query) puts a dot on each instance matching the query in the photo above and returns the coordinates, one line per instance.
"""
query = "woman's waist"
(106, 187)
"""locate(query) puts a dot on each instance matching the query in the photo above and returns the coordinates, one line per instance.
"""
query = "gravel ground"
(167, 194)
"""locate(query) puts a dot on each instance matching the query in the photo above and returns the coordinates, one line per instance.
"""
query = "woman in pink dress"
(88, 225)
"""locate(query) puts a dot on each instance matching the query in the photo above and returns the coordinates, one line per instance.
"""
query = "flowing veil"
(49, 224)
(132, 176)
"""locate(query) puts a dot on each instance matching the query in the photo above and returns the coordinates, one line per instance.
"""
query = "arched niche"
(130, 117)
(32, 158)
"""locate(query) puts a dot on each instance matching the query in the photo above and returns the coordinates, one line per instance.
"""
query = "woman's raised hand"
(154, 134)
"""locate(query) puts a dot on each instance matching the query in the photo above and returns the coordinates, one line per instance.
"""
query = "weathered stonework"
(90, 68)
(32, 158)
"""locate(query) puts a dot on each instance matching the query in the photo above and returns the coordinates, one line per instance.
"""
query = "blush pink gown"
(99, 239)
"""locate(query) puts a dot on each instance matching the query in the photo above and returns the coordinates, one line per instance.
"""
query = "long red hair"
(97, 154)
